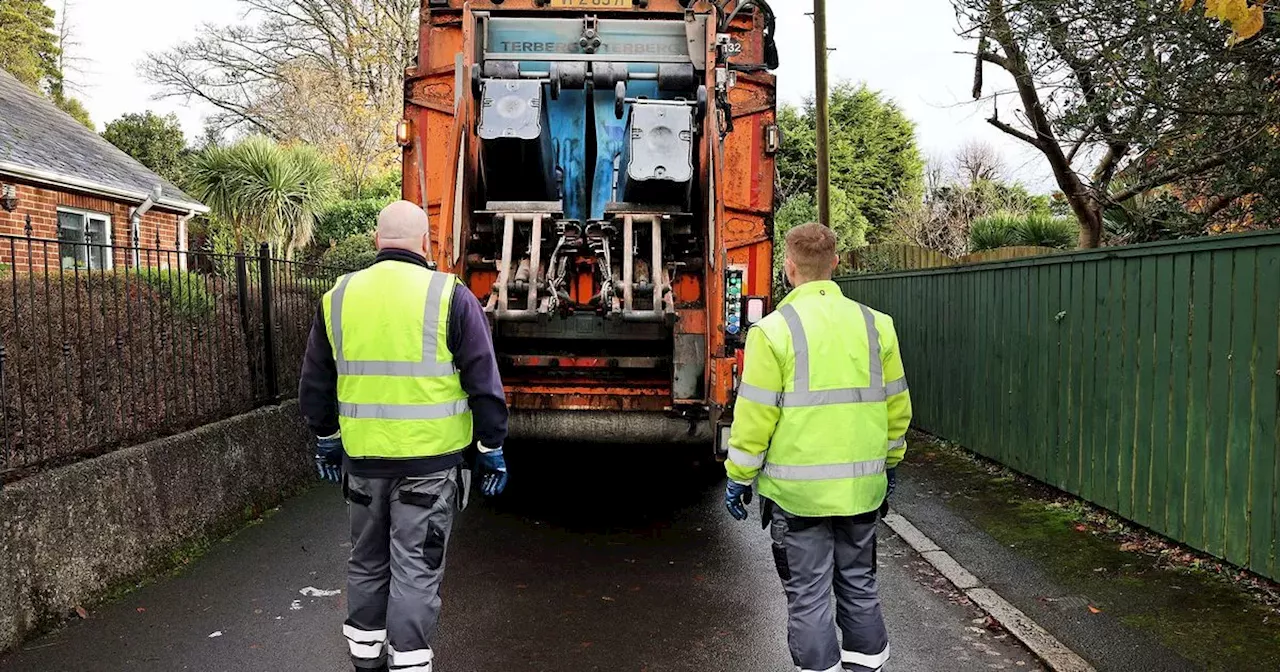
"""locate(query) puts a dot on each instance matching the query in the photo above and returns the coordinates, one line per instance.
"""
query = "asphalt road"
(596, 559)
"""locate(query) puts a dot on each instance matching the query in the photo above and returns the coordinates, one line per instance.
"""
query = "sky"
(902, 48)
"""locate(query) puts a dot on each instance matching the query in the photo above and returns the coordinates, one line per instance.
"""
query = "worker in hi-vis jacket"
(819, 426)
(399, 381)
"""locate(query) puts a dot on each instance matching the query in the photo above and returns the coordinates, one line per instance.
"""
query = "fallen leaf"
(217, 633)
(1081, 528)
(80, 611)
(1094, 610)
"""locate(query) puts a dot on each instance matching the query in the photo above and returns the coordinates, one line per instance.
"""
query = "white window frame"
(87, 215)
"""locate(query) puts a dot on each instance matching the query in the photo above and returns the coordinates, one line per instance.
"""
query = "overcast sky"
(904, 48)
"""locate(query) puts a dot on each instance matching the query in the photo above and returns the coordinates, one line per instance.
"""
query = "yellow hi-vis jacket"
(823, 406)
(399, 394)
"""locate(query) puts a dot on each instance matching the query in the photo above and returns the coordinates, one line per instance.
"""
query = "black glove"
(736, 498)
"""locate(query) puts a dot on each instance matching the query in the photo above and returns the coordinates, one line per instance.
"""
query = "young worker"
(820, 424)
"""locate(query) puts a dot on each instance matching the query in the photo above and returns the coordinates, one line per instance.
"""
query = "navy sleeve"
(472, 348)
(318, 386)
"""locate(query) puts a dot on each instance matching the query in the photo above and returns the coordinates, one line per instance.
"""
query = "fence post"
(268, 324)
(242, 303)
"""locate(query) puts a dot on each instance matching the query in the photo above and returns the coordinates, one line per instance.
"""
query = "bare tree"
(327, 72)
(977, 161)
(70, 63)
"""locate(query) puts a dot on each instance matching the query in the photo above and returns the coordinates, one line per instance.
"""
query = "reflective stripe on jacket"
(823, 406)
(399, 394)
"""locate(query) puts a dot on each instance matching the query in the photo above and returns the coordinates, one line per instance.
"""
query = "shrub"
(352, 254)
(186, 293)
(346, 218)
(386, 187)
(1041, 230)
(994, 231)
(846, 220)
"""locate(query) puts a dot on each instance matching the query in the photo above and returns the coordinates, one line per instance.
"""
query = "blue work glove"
(893, 482)
(736, 498)
(493, 471)
(329, 458)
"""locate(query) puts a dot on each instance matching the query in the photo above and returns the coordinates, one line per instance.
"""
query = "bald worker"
(399, 382)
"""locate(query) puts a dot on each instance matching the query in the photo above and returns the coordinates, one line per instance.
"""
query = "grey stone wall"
(69, 535)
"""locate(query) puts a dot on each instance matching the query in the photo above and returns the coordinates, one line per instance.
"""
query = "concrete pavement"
(1123, 607)
(579, 567)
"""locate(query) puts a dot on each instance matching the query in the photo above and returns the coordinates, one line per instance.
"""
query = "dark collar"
(400, 255)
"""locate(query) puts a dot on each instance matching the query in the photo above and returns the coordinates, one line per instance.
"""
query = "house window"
(85, 240)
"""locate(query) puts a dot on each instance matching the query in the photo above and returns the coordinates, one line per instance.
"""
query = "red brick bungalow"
(60, 181)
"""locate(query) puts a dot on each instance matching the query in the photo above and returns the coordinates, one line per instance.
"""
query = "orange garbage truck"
(600, 173)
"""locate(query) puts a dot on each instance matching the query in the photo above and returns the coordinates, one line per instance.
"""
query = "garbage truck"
(600, 173)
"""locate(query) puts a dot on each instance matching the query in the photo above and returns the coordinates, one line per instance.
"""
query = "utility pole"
(822, 100)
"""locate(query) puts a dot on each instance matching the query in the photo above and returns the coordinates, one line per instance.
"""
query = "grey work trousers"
(813, 556)
(399, 532)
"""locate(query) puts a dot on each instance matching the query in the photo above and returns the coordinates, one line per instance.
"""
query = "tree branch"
(1015, 132)
(1170, 177)
(995, 59)
(1084, 140)
(1106, 169)
(1219, 203)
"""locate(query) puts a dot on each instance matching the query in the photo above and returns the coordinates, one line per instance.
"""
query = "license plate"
(591, 4)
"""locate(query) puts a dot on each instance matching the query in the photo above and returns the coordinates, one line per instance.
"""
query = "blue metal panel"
(611, 134)
(569, 141)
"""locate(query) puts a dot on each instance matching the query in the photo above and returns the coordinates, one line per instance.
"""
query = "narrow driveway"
(586, 564)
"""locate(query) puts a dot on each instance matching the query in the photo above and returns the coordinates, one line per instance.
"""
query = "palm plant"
(265, 190)
(1043, 230)
(994, 231)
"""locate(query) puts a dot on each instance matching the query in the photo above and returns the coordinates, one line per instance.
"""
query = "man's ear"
(376, 246)
(426, 245)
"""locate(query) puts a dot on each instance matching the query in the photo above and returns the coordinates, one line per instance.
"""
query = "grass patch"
(1218, 616)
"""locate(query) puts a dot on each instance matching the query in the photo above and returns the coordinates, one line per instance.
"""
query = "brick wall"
(42, 204)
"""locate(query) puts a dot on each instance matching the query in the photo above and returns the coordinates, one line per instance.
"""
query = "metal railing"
(104, 347)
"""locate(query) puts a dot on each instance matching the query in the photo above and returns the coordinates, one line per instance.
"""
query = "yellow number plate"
(591, 4)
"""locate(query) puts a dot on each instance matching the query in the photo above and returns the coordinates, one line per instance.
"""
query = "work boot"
(381, 668)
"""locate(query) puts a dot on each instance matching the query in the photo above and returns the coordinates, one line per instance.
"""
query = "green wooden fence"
(1144, 379)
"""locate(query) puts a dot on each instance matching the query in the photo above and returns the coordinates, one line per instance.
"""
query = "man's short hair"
(812, 248)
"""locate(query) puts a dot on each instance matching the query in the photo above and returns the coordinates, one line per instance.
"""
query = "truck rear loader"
(600, 173)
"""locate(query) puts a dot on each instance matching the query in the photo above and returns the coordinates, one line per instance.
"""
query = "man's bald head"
(403, 226)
